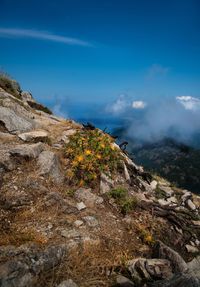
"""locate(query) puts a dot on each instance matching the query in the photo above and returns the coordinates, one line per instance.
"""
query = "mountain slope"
(74, 206)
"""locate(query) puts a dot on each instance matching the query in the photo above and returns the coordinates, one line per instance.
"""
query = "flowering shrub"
(91, 152)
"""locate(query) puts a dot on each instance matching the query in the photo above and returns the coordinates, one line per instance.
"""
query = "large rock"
(149, 269)
(165, 252)
(194, 266)
(15, 123)
(49, 166)
(27, 151)
(6, 163)
(34, 136)
(23, 270)
(179, 280)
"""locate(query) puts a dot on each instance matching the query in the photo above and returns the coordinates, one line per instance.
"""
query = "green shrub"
(125, 202)
(118, 193)
(90, 153)
(10, 85)
(39, 107)
(128, 205)
(159, 193)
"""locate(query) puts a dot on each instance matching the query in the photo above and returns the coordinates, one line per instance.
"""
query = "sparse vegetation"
(159, 193)
(39, 107)
(10, 85)
(128, 205)
(91, 153)
(125, 202)
(118, 193)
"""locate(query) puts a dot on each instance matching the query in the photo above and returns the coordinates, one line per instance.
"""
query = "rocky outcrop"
(27, 263)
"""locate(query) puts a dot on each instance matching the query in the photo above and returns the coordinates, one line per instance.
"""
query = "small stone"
(186, 195)
(70, 233)
(78, 223)
(126, 173)
(190, 204)
(191, 249)
(80, 206)
(68, 283)
(88, 197)
(123, 281)
(196, 222)
(105, 184)
(163, 202)
(91, 221)
(153, 184)
(172, 199)
(197, 242)
(66, 135)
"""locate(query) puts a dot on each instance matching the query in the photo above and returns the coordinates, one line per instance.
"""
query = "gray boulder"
(23, 270)
(34, 136)
(15, 123)
(27, 151)
(49, 166)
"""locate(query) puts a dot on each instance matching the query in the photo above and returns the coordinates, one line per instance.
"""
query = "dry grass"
(17, 238)
(91, 266)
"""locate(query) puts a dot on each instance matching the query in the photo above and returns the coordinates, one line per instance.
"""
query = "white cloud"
(119, 106)
(138, 105)
(189, 103)
(41, 35)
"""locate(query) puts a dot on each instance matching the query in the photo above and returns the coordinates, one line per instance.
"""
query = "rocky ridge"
(54, 233)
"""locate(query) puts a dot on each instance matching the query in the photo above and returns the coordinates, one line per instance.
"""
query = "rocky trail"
(129, 229)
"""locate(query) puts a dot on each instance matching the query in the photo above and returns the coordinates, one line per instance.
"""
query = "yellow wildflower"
(112, 147)
(80, 158)
(148, 238)
(88, 152)
(81, 183)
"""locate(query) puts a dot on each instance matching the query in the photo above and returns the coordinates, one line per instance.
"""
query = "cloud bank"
(178, 118)
(41, 35)
(189, 103)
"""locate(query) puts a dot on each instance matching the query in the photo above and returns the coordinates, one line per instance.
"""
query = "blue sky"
(74, 52)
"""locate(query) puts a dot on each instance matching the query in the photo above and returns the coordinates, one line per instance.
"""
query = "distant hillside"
(177, 162)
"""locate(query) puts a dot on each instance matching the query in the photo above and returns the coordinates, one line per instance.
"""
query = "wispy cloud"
(41, 35)
(119, 106)
(156, 70)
